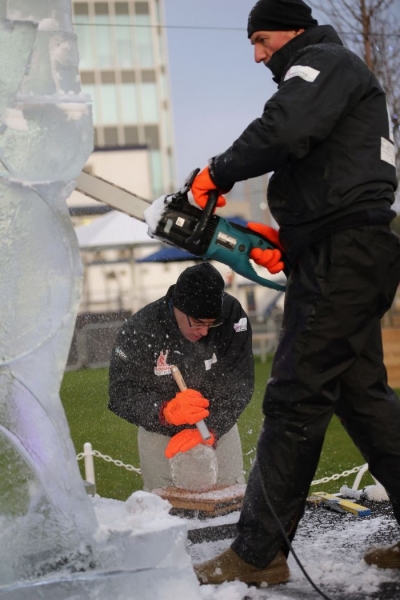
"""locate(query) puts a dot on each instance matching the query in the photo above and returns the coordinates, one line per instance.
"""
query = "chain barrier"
(117, 463)
(337, 476)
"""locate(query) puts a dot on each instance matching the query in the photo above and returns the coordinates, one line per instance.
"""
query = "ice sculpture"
(45, 139)
(48, 525)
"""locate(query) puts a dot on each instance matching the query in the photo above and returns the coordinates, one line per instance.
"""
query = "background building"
(124, 71)
(123, 68)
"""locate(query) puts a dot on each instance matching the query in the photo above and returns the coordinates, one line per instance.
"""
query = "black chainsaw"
(175, 221)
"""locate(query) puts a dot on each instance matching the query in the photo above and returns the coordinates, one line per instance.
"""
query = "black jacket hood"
(322, 34)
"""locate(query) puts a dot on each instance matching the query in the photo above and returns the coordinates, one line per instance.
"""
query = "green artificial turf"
(85, 395)
(338, 453)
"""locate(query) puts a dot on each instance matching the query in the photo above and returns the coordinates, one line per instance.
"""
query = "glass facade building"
(123, 66)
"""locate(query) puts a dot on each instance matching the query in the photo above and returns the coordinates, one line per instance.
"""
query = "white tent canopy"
(112, 230)
(111, 234)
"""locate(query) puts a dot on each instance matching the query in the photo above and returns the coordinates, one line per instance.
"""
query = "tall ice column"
(45, 138)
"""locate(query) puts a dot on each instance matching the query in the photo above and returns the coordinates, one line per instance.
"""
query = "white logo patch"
(241, 325)
(387, 152)
(307, 73)
(121, 354)
(210, 362)
(162, 367)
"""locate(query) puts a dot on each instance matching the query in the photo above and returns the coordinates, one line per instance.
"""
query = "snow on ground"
(329, 545)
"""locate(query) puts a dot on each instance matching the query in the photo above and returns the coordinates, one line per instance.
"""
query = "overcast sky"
(217, 88)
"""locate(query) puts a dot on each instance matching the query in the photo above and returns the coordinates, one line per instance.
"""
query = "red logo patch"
(162, 368)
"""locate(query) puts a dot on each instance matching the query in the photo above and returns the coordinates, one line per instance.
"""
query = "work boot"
(228, 566)
(385, 558)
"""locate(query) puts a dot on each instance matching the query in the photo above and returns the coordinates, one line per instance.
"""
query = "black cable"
(286, 538)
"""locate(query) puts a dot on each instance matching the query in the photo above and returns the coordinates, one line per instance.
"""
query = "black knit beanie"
(199, 292)
(279, 15)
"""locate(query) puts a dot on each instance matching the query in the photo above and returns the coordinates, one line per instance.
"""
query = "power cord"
(286, 538)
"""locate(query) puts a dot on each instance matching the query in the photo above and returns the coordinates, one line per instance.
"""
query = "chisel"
(201, 426)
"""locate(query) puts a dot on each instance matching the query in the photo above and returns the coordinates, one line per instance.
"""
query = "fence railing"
(88, 454)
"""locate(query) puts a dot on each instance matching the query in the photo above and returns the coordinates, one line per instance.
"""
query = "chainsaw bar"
(182, 225)
(113, 195)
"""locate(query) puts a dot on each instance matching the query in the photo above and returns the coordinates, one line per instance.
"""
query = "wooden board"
(217, 501)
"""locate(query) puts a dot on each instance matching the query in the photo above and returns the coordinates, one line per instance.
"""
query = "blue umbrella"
(169, 254)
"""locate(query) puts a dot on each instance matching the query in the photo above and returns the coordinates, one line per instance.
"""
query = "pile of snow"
(374, 493)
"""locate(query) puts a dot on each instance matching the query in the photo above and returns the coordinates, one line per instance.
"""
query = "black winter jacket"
(220, 366)
(326, 135)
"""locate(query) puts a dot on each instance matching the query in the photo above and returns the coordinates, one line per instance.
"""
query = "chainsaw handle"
(244, 267)
(206, 214)
(231, 245)
(189, 180)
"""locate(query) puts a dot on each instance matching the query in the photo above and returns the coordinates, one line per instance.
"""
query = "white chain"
(117, 463)
(337, 476)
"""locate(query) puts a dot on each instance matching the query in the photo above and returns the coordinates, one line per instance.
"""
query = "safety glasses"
(196, 324)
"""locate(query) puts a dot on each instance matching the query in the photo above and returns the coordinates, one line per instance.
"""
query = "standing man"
(206, 334)
(326, 135)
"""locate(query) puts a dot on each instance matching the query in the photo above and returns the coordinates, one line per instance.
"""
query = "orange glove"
(187, 408)
(201, 187)
(269, 233)
(270, 259)
(185, 440)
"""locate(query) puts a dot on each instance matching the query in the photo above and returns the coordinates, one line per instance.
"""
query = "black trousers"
(329, 361)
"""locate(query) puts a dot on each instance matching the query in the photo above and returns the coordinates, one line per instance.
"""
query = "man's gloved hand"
(270, 259)
(185, 440)
(187, 408)
(201, 187)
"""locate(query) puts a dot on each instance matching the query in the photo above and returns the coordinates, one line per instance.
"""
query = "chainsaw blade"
(113, 195)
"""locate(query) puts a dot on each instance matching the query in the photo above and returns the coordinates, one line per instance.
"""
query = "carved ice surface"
(48, 526)
(195, 470)
(42, 148)
(141, 557)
